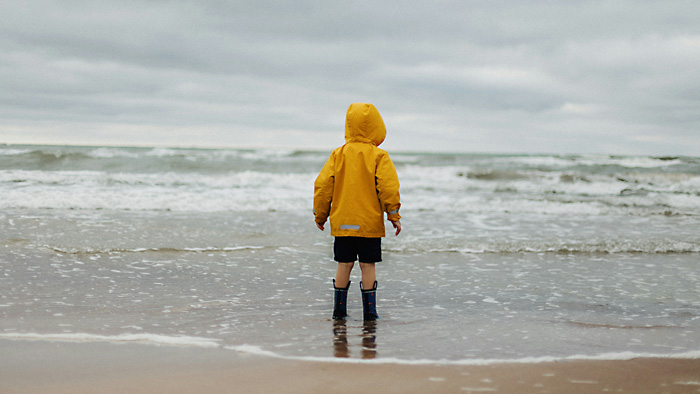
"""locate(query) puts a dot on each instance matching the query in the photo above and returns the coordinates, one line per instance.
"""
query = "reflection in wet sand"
(341, 346)
(340, 339)
(369, 339)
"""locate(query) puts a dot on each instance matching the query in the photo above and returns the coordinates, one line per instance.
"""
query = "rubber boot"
(369, 302)
(340, 310)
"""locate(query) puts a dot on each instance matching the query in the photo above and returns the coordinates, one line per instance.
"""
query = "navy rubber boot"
(369, 302)
(340, 307)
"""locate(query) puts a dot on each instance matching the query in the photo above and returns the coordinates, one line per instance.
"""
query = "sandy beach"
(62, 367)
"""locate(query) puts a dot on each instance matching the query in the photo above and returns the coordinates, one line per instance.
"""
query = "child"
(356, 186)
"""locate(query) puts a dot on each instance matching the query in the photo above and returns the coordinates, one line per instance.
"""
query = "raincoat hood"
(363, 123)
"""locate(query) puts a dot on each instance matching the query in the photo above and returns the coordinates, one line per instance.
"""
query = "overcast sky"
(512, 76)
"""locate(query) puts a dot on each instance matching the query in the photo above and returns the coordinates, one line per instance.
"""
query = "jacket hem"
(340, 233)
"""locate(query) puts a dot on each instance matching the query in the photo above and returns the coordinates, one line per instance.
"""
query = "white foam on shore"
(620, 356)
(188, 341)
(144, 250)
(148, 339)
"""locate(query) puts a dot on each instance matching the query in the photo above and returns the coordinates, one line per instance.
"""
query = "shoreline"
(189, 342)
(87, 367)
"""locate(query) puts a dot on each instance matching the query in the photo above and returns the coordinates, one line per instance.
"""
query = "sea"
(502, 257)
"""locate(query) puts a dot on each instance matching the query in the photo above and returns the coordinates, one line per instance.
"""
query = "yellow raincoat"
(358, 183)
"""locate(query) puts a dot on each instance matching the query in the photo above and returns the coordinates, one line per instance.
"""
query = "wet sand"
(59, 367)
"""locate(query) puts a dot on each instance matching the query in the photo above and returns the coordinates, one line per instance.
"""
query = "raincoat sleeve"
(388, 187)
(323, 190)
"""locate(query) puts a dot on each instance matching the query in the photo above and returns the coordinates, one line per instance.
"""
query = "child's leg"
(369, 275)
(369, 291)
(342, 274)
(341, 284)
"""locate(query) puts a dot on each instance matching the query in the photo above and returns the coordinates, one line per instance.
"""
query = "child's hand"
(397, 226)
(320, 226)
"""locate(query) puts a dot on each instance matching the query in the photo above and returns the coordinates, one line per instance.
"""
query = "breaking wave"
(91, 251)
(200, 180)
(200, 342)
(610, 247)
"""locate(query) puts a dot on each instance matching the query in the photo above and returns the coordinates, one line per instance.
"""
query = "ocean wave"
(179, 196)
(600, 161)
(494, 175)
(148, 339)
(621, 326)
(13, 152)
(571, 182)
(611, 247)
(634, 162)
(111, 153)
(50, 157)
(199, 180)
(94, 190)
(155, 160)
(92, 251)
(589, 163)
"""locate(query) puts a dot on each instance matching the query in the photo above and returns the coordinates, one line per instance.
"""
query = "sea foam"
(620, 356)
(199, 342)
(147, 339)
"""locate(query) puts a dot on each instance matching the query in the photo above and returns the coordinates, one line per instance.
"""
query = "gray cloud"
(506, 76)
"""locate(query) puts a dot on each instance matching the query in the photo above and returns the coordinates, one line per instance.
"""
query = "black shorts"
(348, 249)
